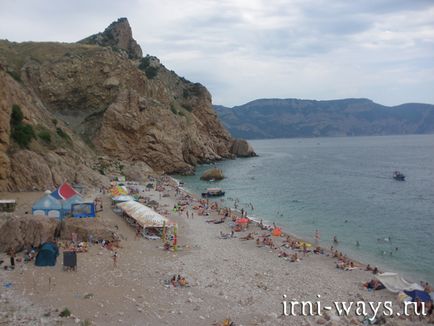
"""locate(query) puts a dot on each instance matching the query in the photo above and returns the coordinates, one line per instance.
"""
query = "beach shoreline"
(228, 278)
(285, 231)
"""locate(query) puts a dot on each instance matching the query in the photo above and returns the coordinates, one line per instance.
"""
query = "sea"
(341, 187)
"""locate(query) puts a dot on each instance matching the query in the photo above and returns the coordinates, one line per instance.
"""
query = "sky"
(243, 50)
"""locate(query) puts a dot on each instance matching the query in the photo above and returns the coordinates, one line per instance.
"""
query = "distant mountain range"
(287, 118)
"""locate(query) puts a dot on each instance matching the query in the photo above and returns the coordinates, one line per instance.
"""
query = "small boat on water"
(213, 192)
(398, 176)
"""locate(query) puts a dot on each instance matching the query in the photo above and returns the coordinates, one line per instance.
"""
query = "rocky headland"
(96, 107)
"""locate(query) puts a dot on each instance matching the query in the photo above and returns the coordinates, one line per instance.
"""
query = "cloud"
(247, 49)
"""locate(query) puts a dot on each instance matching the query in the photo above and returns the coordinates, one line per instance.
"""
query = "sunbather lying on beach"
(214, 221)
(374, 285)
(225, 235)
(318, 251)
(247, 237)
(294, 258)
(269, 242)
(178, 281)
(283, 254)
(182, 281)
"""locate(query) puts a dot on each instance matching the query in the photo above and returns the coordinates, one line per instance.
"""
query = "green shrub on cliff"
(21, 133)
(145, 66)
(151, 72)
(45, 136)
(14, 75)
(62, 134)
(16, 115)
(144, 63)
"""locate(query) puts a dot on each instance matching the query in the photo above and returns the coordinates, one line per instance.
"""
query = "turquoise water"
(343, 187)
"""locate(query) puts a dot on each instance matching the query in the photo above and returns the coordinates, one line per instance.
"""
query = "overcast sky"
(242, 50)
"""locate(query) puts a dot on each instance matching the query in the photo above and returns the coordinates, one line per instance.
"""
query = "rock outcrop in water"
(241, 148)
(98, 107)
(212, 174)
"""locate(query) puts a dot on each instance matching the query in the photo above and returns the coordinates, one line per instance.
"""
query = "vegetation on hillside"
(21, 133)
(149, 70)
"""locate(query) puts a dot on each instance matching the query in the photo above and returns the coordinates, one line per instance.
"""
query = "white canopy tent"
(122, 198)
(395, 283)
(144, 216)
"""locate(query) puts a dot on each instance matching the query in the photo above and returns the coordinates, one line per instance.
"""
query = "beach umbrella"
(242, 220)
(277, 232)
(418, 294)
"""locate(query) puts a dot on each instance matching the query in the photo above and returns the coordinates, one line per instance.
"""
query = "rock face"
(241, 148)
(84, 228)
(119, 36)
(212, 174)
(21, 232)
(89, 100)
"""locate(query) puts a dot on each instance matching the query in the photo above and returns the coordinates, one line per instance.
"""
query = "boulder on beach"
(84, 228)
(20, 232)
(212, 174)
(241, 148)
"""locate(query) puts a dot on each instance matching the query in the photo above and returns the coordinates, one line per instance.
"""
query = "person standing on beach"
(12, 255)
(187, 214)
(317, 237)
(138, 229)
(115, 258)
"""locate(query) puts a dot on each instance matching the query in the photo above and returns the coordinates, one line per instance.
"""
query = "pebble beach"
(229, 280)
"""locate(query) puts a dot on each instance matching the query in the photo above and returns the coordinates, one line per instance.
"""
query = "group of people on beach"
(266, 239)
(178, 281)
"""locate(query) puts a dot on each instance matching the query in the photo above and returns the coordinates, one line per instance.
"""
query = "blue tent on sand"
(47, 255)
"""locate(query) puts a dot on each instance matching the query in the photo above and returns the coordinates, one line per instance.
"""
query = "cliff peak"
(118, 35)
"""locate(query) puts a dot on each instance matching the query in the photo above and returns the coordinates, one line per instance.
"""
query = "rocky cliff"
(98, 106)
(118, 36)
(284, 118)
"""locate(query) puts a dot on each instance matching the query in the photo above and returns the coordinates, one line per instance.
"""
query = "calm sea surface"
(343, 187)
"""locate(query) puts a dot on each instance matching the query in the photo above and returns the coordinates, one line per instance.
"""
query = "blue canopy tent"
(47, 255)
(80, 210)
(67, 204)
(48, 206)
(418, 294)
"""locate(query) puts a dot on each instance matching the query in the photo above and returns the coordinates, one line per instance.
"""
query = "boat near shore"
(398, 176)
(213, 192)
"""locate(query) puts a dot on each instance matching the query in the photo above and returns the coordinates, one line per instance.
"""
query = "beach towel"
(395, 283)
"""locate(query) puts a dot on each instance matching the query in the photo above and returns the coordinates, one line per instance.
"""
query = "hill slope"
(284, 118)
(96, 107)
